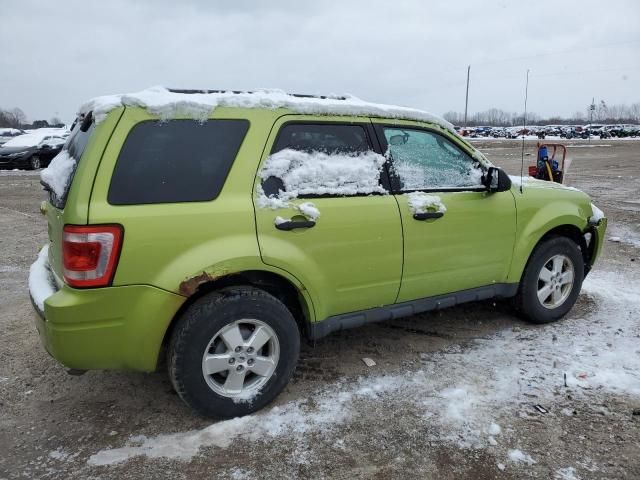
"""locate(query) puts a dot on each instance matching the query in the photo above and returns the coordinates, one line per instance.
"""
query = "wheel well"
(573, 233)
(272, 283)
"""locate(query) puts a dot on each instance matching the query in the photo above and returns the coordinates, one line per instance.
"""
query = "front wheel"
(233, 351)
(552, 280)
(34, 162)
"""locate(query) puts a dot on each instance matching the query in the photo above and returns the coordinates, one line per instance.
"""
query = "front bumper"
(106, 328)
(598, 231)
(13, 162)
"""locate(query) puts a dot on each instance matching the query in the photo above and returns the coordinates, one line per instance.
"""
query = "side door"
(457, 236)
(324, 213)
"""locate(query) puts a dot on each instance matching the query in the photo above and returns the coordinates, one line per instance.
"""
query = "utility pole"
(592, 108)
(466, 100)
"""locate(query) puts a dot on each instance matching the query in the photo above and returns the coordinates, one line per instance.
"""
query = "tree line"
(600, 112)
(16, 118)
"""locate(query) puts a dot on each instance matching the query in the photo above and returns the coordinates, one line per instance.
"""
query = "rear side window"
(325, 138)
(175, 161)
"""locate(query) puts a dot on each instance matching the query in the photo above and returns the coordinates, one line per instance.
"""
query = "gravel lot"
(453, 394)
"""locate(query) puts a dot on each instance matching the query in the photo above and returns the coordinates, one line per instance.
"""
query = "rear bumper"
(106, 328)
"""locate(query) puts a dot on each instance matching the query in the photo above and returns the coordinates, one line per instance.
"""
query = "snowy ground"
(471, 392)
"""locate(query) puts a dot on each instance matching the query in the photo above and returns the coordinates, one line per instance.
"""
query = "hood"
(530, 182)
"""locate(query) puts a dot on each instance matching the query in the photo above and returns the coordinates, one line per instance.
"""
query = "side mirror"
(45, 146)
(496, 180)
(398, 139)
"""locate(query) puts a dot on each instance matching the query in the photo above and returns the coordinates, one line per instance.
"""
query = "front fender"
(535, 222)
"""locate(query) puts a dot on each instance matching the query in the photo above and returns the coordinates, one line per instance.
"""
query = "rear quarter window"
(75, 146)
(175, 161)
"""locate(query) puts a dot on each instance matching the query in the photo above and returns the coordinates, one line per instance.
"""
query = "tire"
(209, 327)
(562, 296)
(34, 162)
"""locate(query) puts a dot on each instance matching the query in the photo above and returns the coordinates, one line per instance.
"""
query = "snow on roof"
(33, 137)
(199, 105)
(10, 131)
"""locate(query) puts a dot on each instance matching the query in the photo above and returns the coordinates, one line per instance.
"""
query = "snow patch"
(458, 391)
(58, 173)
(309, 210)
(165, 104)
(40, 280)
(568, 473)
(420, 202)
(596, 214)
(494, 429)
(61, 455)
(518, 456)
(625, 234)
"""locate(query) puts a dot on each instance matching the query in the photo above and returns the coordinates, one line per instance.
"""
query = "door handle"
(290, 225)
(427, 215)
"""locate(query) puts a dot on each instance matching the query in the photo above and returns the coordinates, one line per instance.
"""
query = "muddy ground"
(438, 404)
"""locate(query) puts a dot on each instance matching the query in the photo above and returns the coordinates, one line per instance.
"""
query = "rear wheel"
(233, 352)
(552, 280)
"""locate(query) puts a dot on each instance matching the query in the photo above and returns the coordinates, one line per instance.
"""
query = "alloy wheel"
(240, 358)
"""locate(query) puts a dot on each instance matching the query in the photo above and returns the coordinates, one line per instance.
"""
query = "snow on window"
(40, 281)
(420, 202)
(58, 173)
(166, 104)
(318, 173)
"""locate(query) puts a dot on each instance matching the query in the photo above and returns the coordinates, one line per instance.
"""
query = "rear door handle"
(290, 225)
(428, 215)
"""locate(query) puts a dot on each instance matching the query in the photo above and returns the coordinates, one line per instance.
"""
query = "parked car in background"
(623, 130)
(32, 150)
(498, 132)
(7, 134)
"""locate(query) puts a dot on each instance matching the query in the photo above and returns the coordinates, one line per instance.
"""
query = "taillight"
(90, 254)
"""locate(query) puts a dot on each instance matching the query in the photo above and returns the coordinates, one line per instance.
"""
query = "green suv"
(219, 228)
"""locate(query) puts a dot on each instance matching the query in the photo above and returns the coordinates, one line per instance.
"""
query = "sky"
(56, 55)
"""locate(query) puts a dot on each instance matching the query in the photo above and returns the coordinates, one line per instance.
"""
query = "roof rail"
(237, 92)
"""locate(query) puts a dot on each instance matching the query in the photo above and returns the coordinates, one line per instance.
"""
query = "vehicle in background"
(483, 131)
(7, 134)
(623, 130)
(515, 132)
(498, 132)
(32, 150)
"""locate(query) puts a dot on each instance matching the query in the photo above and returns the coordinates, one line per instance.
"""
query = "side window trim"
(372, 140)
(395, 181)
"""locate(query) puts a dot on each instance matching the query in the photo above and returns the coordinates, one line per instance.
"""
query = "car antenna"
(524, 128)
